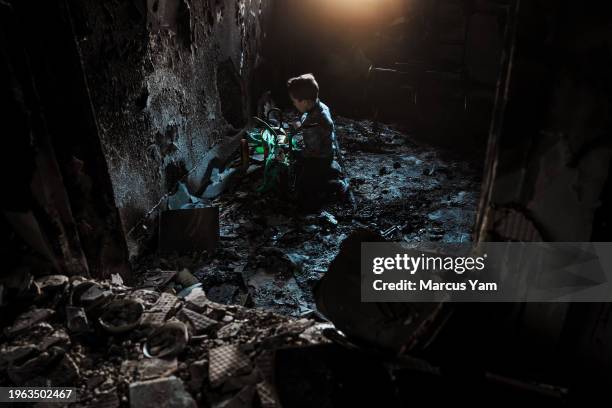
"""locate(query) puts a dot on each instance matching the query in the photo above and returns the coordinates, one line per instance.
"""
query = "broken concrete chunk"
(223, 294)
(36, 334)
(95, 381)
(27, 320)
(158, 278)
(76, 320)
(116, 279)
(167, 392)
(94, 296)
(328, 218)
(58, 338)
(239, 382)
(216, 312)
(198, 371)
(147, 297)
(296, 326)
(198, 323)
(197, 300)
(105, 400)
(244, 399)
(53, 365)
(226, 362)
(10, 354)
(128, 368)
(150, 368)
(65, 373)
(167, 341)
(267, 395)
(52, 282)
(229, 330)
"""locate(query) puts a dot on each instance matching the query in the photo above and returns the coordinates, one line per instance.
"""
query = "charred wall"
(158, 72)
(547, 173)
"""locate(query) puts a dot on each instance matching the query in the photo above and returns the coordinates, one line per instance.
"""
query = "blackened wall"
(547, 176)
(168, 81)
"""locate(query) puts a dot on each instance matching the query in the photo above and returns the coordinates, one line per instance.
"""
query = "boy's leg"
(312, 182)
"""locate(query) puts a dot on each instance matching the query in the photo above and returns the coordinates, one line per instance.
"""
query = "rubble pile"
(138, 346)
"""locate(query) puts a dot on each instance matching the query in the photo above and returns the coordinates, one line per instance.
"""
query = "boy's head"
(304, 92)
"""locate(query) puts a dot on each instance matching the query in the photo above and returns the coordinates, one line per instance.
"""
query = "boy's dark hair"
(303, 87)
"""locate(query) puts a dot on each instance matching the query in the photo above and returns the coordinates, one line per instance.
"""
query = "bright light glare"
(355, 9)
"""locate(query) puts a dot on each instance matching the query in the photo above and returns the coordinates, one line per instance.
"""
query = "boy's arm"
(317, 139)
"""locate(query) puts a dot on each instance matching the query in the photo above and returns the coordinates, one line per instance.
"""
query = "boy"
(316, 135)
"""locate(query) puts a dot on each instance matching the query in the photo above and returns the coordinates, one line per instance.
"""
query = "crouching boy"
(316, 173)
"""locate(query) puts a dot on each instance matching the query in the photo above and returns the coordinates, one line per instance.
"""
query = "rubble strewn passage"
(271, 253)
(116, 343)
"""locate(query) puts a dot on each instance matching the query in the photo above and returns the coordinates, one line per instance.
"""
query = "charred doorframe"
(547, 63)
(71, 131)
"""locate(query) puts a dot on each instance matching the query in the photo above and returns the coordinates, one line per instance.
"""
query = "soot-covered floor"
(271, 254)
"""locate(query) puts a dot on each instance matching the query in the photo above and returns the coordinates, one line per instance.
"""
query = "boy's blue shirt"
(318, 132)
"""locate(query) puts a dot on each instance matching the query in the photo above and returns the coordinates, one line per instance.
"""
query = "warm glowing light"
(356, 9)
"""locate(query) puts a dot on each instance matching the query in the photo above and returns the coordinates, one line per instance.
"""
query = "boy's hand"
(296, 125)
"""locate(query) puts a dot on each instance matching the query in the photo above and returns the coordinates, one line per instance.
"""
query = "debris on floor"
(271, 254)
(202, 326)
(140, 346)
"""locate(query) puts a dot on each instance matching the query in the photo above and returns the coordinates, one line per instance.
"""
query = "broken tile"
(198, 322)
(168, 392)
(167, 305)
(150, 368)
(154, 319)
(158, 278)
(225, 362)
